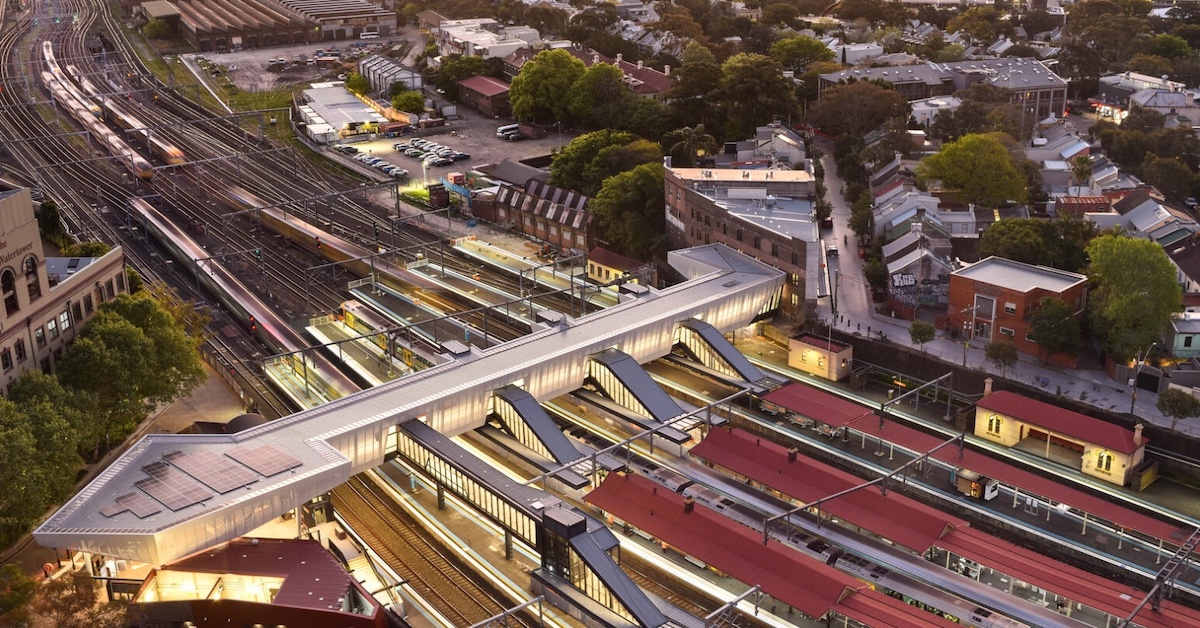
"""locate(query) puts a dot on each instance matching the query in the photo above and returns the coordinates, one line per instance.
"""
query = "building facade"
(45, 300)
(766, 214)
(996, 298)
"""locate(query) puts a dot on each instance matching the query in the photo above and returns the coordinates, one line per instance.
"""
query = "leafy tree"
(628, 211)
(978, 167)
(357, 84)
(857, 108)
(75, 407)
(753, 89)
(876, 274)
(1018, 240)
(38, 448)
(1003, 353)
(410, 101)
(1081, 168)
(691, 143)
(862, 215)
(599, 99)
(591, 158)
(49, 223)
(131, 355)
(1054, 327)
(696, 52)
(158, 29)
(1178, 404)
(454, 69)
(780, 14)
(921, 333)
(1135, 293)
(979, 23)
(796, 53)
(537, 92)
(1170, 176)
(1170, 46)
(71, 601)
(1152, 65)
(647, 118)
(87, 249)
(16, 591)
(1037, 22)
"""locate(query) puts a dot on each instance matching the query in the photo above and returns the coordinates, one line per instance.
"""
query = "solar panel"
(266, 460)
(171, 487)
(136, 503)
(214, 471)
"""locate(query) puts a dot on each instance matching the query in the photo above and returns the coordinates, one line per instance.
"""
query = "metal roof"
(898, 518)
(817, 404)
(734, 358)
(539, 421)
(1063, 421)
(662, 407)
(1019, 276)
(593, 548)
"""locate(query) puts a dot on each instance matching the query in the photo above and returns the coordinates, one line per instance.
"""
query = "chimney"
(620, 57)
(667, 70)
(641, 64)
(689, 504)
(1137, 434)
(595, 59)
(987, 387)
(792, 454)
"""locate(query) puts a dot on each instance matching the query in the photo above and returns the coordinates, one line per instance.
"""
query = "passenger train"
(117, 113)
(69, 98)
(897, 585)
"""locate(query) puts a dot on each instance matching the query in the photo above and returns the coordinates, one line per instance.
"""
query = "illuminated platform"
(156, 503)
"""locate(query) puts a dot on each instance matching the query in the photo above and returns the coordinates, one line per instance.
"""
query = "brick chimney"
(1137, 434)
(792, 454)
(689, 504)
(987, 387)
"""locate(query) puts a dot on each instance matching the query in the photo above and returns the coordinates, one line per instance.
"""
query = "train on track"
(84, 111)
(236, 297)
(118, 114)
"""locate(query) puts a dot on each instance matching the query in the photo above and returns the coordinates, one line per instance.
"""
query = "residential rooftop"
(1020, 276)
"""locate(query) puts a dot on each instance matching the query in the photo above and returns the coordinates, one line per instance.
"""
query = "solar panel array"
(171, 487)
(136, 503)
(266, 460)
(215, 471)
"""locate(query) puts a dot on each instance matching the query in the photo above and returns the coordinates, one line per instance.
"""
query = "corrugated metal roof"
(895, 517)
(1061, 420)
(817, 404)
(542, 425)
(717, 341)
(662, 407)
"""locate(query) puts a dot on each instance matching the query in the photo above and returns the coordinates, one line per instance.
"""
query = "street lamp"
(966, 340)
(1139, 362)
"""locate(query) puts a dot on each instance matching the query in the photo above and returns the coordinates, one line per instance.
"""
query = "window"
(739, 235)
(758, 243)
(88, 306)
(8, 286)
(795, 258)
(64, 321)
(76, 310)
(994, 424)
(6, 359)
(1104, 462)
(32, 285)
(108, 290)
(1010, 308)
(1007, 332)
(52, 328)
(39, 337)
(19, 348)
(121, 282)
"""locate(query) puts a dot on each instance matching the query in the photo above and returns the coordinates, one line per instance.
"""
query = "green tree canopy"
(591, 158)
(1054, 326)
(454, 69)
(978, 167)
(921, 333)
(1169, 175)
(753, 90)
(691, 143)
(796, 53)
(16, 591)
(628, 211)
(158, 29)
(537, 93)
(1003, 353)
(1059, 243)
(1177, 404)
(599, 99)
(410, 101)
(358, 84)
(981, 24)
(1135, 292)
(87, 249)
(857, 108)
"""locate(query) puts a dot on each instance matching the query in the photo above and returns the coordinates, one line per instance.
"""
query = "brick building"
(486, 95)
(767, 214)
(995, 298)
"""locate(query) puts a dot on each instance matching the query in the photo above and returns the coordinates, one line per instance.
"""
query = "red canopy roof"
(816, 404)
(1061, 420)
(897, 517)
(787, 575)
(976, 461)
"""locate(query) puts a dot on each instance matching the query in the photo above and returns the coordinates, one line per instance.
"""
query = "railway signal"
(318, 239)
(253, 323)
(375, 226)
(258, 254)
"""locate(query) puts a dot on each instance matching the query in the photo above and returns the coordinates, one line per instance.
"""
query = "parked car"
(346, 149)
(414, 152)
(460, 156)
(399, 173)
(515, 137)
(402, 146)
(442, 161)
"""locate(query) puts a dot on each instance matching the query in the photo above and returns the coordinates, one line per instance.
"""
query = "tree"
(1003, 353)
(1081, 168)
(876, 274)
(598, 98)
(1178, 404)
(1135, 295)
(857, 108)
(696, 52)
(158, 29)
(628, 211)
(410, 101)
(1060, 243)
(978, 167)
(796, 53)
(87, 249)
(16, 591)
(357, 84)
(536, 93)
(979, 23)
(1054, 327)
(1170, 46)
(454, 69)
(752, 91)
(71, 601)
(921, 333)
(589, 159)
(1152, 65)
(691, 143)
(1170, 176)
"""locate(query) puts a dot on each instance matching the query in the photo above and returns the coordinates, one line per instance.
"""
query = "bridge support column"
(508, 545)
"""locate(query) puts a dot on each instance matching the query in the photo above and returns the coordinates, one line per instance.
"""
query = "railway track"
(434, 574)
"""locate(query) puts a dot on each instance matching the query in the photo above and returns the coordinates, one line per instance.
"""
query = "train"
(115, 112)
(236, 297)
(69, 98)
(900, 586)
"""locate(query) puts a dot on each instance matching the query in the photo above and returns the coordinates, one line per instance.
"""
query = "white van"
(504, 131)
(369, 36)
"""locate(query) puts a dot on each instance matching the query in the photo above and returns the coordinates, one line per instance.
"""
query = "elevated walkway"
(709, 347)
(624, 381)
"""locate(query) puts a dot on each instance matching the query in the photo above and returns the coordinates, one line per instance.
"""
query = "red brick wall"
(962, 297)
